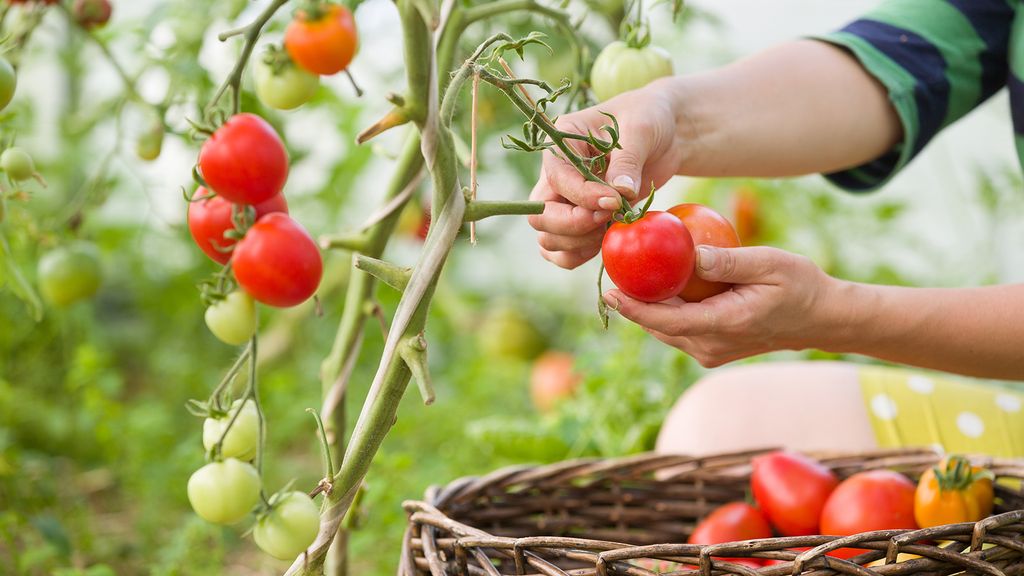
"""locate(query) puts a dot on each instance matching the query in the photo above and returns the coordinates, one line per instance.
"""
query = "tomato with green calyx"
(70, 274)
(650, 258)
(244, 160)
(210, 218)
(224, 492)
(18, 165)
(281, 84)
(277, 262)
(91, 14)
(323, 42)
(552, 379)
(233, 319)
(8, 82)
(620, 68)
(289, 526)
(706, 227)
(507, 333)
(953, 492)
(792, 490)
(242, 437)
(868, 501)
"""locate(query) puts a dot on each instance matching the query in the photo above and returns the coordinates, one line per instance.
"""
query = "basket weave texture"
(631, 516)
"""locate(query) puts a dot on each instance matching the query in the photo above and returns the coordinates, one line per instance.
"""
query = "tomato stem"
(328, 461)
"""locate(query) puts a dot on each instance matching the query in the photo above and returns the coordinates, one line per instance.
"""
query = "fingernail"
(611, 301)
(625, 185)
(608, 203)
(602, 216)
(706, 258)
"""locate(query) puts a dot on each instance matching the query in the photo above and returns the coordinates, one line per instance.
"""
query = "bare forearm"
(971, 331)
(799, 108)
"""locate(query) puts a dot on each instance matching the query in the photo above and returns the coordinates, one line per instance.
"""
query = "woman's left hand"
(777, 302)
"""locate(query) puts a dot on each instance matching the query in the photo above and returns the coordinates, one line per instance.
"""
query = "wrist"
(844, 315)
(691, 102)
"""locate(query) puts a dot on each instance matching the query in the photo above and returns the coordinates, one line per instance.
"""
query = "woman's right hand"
(575, 212)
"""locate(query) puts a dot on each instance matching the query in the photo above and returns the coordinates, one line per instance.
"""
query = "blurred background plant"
(95, 443)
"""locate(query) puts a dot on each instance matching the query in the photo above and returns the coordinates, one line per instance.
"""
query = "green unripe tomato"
(233, 319)
(8, 83)
(70, 273)
(284, 86)
(508, 333)
(289, 527)
(151, 142)
(224, 492)
(619, 68)
(17, 164)
(244, 435)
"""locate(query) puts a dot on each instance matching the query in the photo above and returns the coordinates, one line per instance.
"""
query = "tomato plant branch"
(251, 34)
(394, 276)
(479, 209)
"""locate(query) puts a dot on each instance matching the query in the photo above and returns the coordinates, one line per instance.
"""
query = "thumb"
(751, 265)
(625, 170)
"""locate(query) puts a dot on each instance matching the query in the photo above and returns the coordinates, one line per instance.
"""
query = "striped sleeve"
(938, 60)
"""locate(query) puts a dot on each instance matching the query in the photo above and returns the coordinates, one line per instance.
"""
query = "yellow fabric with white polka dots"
(910, 408)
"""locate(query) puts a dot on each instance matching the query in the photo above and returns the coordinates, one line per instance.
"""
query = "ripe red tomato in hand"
(322, 43)
(650, 259)
(706, 227)
(867, 501)
(730, 523)
(277, 262)
(244, 160)
(209, 217)
(791, 489)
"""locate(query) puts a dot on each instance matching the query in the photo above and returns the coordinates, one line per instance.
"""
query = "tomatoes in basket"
(952, 492)
(244, 160)
(730, 523)
(277, 262)
(867, 501)
(323, 42)
(210, 217)
(792, 490)
(706, 227)
(650, 259)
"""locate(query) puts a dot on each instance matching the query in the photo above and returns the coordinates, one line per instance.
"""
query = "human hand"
(778, 302)
(576, 211)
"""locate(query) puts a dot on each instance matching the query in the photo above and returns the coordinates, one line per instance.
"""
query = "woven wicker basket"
(630, 516)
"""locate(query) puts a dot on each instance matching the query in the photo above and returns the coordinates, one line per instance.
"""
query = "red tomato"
(650, 259)
(552, 379)
(244, 160)
(867, 501)
(325, 43)
(792, 490)
(210, 217)
(706, 227)
(746, 212)
(277, 262)
(730, 523)
(91, 13)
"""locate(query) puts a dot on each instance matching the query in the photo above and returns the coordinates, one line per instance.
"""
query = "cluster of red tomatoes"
(798, 496)
(246, 225)
(652, 259)
(226, 491)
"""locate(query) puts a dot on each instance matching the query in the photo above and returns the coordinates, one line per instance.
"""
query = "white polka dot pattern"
(970, 425)
(883, 407)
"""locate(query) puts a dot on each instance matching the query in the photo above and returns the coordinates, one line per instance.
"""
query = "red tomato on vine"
(244, 160)
(706, 227)
(277, 262)
(323, 42)
(209, 217)
(650, 259)
(91, 14)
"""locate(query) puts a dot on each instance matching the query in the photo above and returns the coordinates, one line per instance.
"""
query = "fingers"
(751, 265)
(671, 317)
(563, 179)
(565, 219)
(560, 242)
(570, 259)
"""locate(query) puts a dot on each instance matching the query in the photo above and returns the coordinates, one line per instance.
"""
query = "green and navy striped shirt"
(938, 59)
